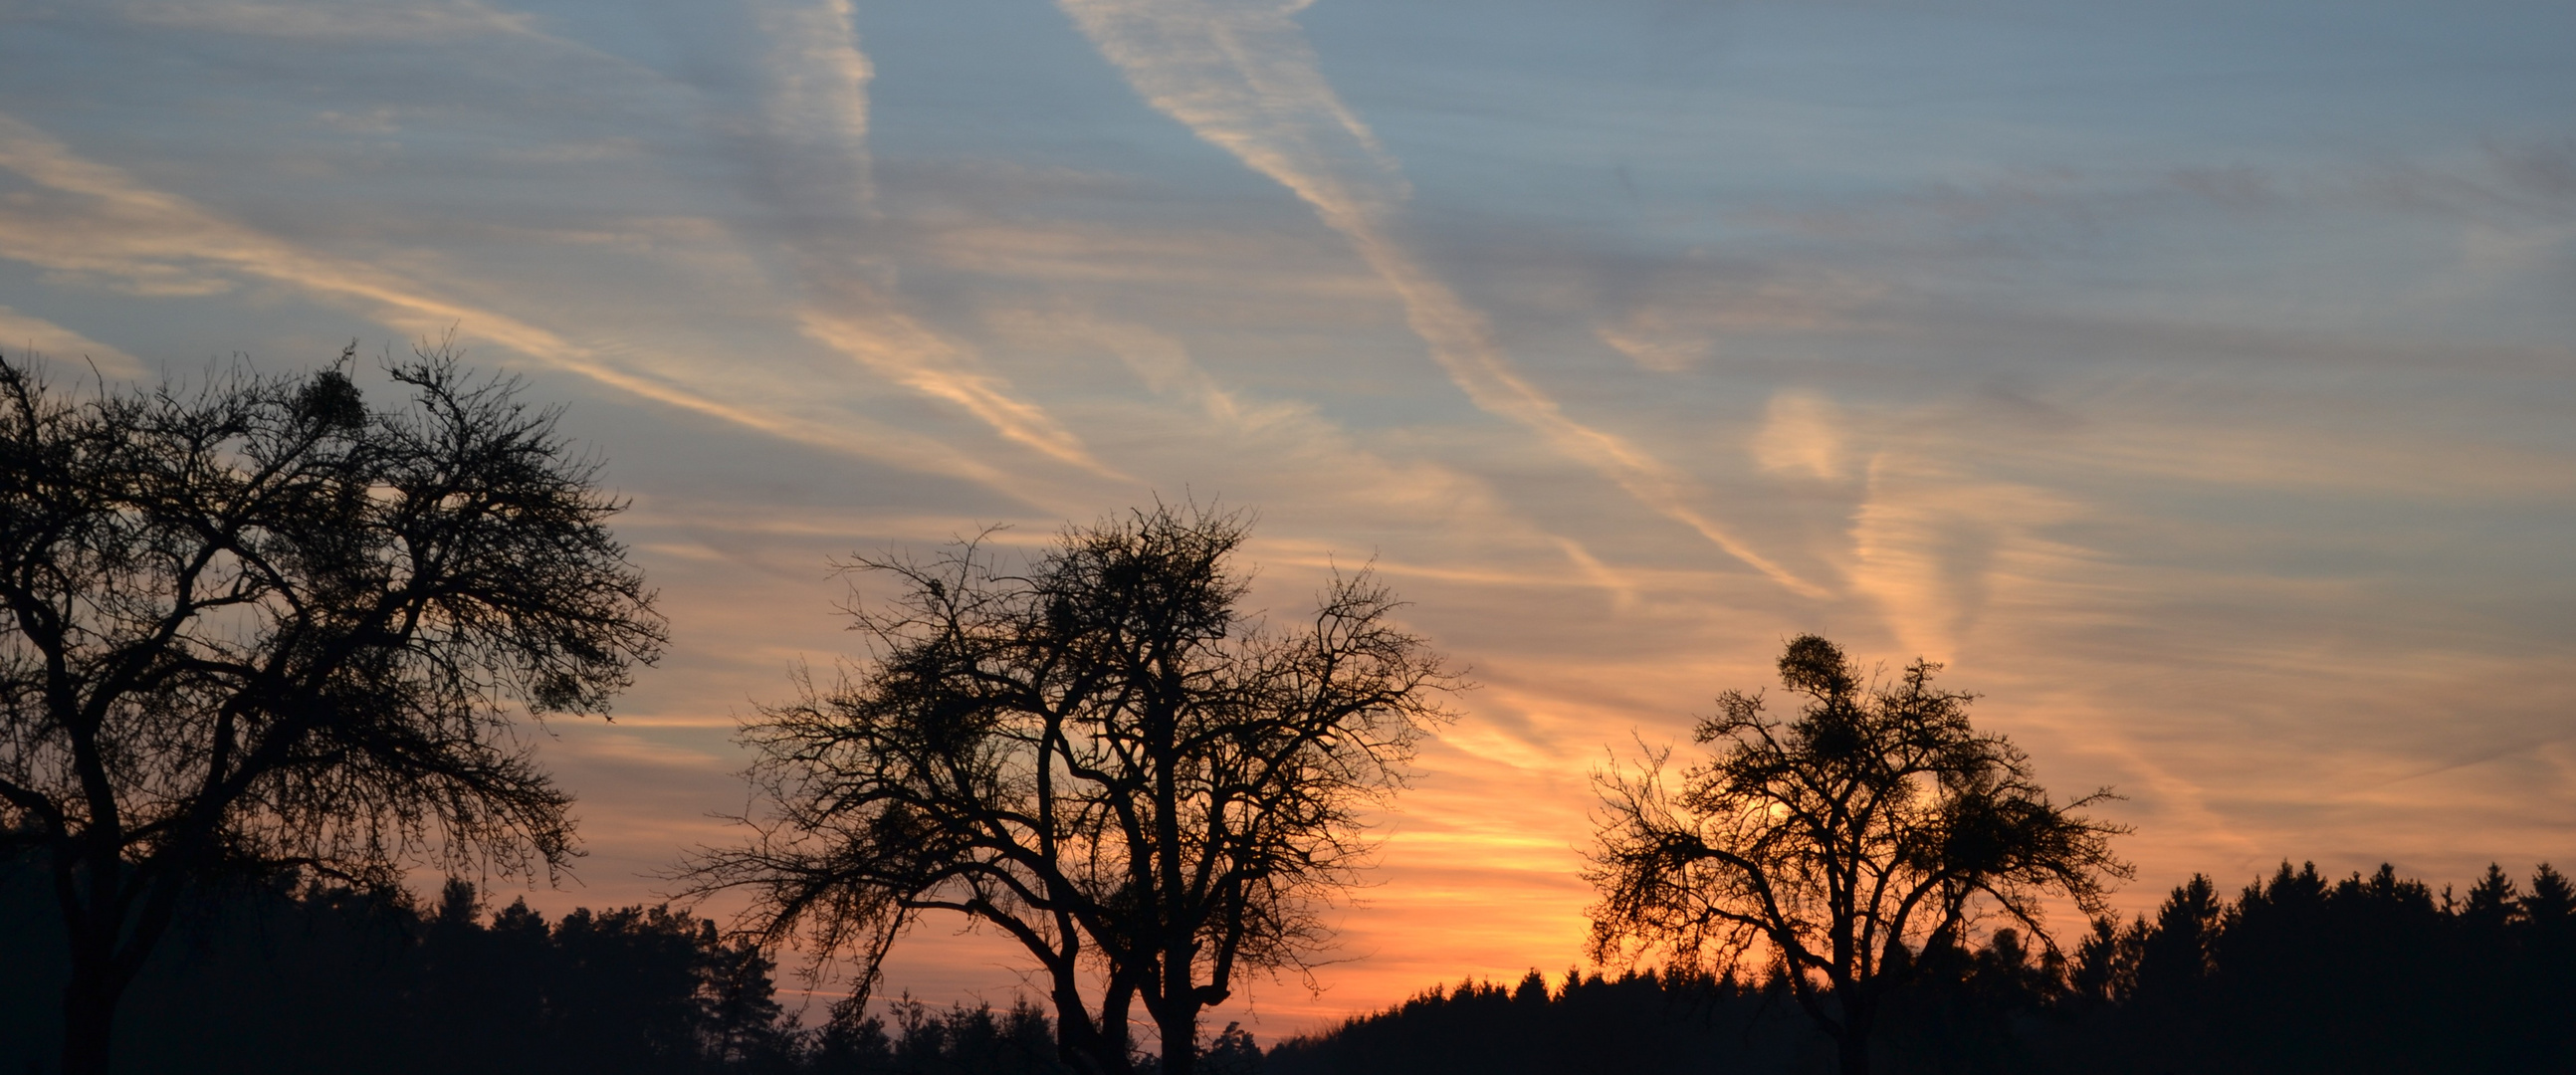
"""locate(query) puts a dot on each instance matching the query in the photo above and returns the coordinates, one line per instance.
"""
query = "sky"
(2196, 380)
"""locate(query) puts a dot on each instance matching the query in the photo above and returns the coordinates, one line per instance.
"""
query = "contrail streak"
(814, 156)
(116, 226)
(1242, 76)
(819, 87)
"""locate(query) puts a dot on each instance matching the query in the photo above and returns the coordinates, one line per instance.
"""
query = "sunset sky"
(2198, 380)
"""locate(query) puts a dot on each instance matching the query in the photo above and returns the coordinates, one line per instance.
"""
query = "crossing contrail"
(1242, 76)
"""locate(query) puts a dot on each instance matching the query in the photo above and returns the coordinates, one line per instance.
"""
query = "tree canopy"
(1837, 843)
(1101, 757)
(261, 625)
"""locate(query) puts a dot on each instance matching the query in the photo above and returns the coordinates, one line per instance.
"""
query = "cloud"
(628, 748)
(1295, 454)
(1932, 545)
(2543, 171)
(94, 220)
(1654, 343)
(1802, 435)
(818, 97)
(344, 20)
(1931, 540)
(2310, 459)
(22, 336)
(903, 350)
(1242, 76)
(812, 152)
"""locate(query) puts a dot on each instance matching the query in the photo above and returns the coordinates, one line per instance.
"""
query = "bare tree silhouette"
(1102, 759)
(262, 626)
(1836, 843)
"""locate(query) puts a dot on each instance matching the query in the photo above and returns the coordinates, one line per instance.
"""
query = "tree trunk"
(89, 1014)
(1090, 1052)
(1853, 1052)
(1852, 1045)
(108, 946)
(1181, 1042)
(1086, 1046)
(89, 998)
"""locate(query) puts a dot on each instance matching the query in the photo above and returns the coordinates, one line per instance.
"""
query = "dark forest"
(2297, 972)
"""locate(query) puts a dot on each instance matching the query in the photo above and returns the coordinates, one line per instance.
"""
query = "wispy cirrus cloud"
(92, 220)
(357, 20)
(1294, 454)
(1933, 544)
(908, 352)
(1242, 76)
(818, 97)
(21, 335)
(811, 155)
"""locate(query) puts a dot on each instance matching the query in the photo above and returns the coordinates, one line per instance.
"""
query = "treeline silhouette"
(1639, 1021)
(280, 979)
(2373, 973)
(271, 977)
(2297, 973)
